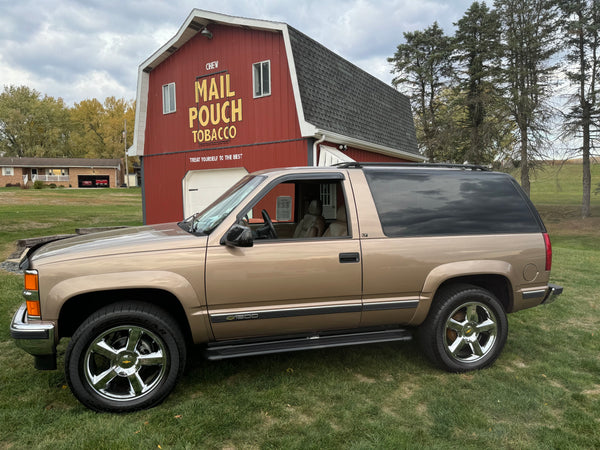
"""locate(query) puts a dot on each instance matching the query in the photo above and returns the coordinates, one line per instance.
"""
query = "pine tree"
(422, 66)
(477, 58)
(581, 28)
(529, 43)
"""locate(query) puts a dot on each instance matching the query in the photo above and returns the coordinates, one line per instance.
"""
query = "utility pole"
(126, 163)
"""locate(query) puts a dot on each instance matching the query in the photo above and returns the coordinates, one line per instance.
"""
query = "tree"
(422, 66)
(528, 46)
(477, 57)
(99, 127)
(87, 128)
(31, 125)
(451, 117)
(581, 31)
(117, 111)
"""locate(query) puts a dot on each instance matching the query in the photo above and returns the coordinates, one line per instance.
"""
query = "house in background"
(228, 95)
(67, 172)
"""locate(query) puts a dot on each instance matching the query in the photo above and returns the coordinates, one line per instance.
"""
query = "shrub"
(37, 184)
(52, 186)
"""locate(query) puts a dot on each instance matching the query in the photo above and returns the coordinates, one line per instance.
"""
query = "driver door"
(285, 285)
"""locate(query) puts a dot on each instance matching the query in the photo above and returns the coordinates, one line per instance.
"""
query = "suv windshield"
(206, 221)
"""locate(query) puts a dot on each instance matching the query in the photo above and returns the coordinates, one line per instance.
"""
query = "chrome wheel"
(125, 363)
(470, 332)
(466, 328)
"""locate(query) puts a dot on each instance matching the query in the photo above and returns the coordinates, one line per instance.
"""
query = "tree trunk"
(587, 176)
(525, 163)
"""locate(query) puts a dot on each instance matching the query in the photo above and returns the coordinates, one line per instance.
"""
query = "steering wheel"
(272, 234)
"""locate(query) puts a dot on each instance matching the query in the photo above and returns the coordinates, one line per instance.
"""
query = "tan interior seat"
(339, 227)
(313, 223)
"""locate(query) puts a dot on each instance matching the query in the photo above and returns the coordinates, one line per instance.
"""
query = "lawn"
(43, 212)
(543, 392)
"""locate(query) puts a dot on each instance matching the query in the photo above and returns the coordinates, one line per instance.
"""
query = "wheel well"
(496, 284)
(78, 308)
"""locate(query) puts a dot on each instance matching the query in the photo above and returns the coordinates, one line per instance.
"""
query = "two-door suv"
(291, 259)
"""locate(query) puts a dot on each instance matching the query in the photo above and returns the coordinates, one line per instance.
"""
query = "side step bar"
(224, 350)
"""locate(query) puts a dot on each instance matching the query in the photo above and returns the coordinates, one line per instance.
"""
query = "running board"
(224, 350)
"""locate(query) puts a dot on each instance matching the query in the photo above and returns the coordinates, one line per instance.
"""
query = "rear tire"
(125, 357)
(465, 330)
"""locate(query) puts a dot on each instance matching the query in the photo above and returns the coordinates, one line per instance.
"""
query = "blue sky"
(85, 49)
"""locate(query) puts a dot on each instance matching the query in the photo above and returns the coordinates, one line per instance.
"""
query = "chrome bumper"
(36, 338)
(553, 292)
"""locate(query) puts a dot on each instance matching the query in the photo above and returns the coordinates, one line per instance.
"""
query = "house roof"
(58, 162)
(335, 100)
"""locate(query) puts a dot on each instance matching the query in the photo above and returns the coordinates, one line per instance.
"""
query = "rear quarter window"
(426, 202)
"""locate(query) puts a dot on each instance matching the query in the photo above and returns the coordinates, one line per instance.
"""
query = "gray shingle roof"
(58, 162)
(337, 96)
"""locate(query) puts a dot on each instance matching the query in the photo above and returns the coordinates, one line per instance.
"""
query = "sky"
(79, 50)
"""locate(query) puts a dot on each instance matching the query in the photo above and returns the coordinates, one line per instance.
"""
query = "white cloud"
(79, 49)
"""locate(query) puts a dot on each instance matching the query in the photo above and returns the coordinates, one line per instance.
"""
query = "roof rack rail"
(358, 165)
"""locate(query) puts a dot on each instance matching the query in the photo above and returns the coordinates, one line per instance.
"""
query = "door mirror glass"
(238, 236)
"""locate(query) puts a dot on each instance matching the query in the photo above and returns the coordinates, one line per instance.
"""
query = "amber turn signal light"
(31, 281)
(33, 308)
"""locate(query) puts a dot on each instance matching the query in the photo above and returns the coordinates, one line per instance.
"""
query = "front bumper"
(35, 337)
(553, 292)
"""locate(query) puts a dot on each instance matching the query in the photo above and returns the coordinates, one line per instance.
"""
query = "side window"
(168, 91)
(445, 203)
(300, 209)
(261, 78)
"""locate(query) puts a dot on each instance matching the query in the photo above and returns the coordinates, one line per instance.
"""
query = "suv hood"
(122, 241)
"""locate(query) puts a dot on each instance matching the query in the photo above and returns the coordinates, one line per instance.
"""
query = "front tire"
(125, 357)
(466, 329)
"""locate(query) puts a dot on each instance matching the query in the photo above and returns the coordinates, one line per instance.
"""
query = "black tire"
(125, 357)
(465, 330)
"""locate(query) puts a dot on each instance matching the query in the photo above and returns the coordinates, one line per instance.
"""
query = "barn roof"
(335, 99)
(340, 97)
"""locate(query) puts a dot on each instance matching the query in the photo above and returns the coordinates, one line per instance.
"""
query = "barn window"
(169, 98)
(261, 77)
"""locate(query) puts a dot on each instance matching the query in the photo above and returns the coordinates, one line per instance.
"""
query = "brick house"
(67, 172)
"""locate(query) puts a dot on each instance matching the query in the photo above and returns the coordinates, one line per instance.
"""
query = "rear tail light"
(548, 251)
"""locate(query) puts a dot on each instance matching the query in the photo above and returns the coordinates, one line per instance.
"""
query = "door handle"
(346, 258)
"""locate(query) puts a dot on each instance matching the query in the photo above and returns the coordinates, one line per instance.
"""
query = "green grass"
(32, 212)
(561, 184)
(543, 392)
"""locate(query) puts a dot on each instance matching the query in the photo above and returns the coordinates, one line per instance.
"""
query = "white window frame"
(328, 197)
(168, 94)
(262, 92)
(8, 171)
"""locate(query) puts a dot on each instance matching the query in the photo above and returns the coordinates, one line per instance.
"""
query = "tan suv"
(285, 260)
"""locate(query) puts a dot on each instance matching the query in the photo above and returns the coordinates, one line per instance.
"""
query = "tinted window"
(427, 202)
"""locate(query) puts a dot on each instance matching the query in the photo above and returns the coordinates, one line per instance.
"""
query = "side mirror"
(238, 236)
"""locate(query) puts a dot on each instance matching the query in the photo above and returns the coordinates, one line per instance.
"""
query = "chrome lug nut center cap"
(126, 364)
(469, 330)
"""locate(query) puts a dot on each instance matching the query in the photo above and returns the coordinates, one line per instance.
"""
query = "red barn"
(228, 95)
